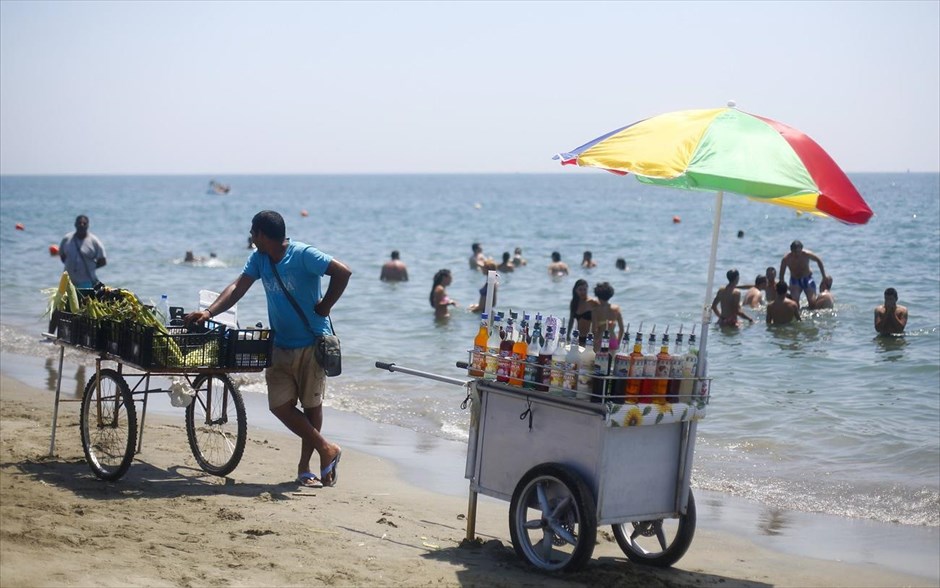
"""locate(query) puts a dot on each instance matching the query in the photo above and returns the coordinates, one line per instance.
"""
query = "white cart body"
(635, 473)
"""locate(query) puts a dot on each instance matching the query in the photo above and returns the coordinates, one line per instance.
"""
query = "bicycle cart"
(216, 424)
(567, 465)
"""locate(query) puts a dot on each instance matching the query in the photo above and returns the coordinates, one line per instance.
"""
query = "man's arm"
(101, 262)
(796, 312)
(902, 317)
(339, 274)
(404, 274)
(715, 303)
(229, 296)
(782, 274)
(819, 262)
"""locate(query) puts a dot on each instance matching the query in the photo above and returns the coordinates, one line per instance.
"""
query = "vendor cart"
(567, 465)
(216, 424)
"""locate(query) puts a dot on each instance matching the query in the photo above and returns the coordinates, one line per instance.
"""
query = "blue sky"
(466, 87)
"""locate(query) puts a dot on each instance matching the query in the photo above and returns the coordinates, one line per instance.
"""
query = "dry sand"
(166, 523)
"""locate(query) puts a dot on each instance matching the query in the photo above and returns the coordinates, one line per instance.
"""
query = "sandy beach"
(166, 523)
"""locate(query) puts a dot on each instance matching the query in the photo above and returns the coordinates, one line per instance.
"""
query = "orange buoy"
(304, 213)
(53, 250)
(20, 227)
(676, 219)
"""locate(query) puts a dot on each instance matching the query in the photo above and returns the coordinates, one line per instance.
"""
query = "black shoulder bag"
(327, 349)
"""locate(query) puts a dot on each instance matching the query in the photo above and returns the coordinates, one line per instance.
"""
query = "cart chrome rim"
(551, 523)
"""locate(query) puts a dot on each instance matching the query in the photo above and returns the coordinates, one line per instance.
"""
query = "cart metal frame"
(112, 412)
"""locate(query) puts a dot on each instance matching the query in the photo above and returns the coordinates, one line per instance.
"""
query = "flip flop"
(331, 468)
(309, 480)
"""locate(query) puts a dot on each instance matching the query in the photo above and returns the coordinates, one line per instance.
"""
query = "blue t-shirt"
(300, 269)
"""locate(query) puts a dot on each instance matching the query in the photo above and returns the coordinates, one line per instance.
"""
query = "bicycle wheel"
(553, 518)
(216, 424)
(659, 543)
(108, 424)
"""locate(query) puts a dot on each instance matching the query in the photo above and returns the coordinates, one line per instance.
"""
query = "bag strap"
(293, 302)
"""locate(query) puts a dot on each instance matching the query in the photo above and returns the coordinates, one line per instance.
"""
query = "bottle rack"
(699, 397)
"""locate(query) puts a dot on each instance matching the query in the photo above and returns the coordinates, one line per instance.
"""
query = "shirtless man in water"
(801, 278)
(782, 310)
(890, 317)
(730, 300)
(394, 269)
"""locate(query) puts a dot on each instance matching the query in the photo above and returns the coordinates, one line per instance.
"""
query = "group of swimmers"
(783, 299)
(597, 314)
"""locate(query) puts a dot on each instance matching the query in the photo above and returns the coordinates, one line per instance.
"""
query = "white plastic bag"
(180, 392)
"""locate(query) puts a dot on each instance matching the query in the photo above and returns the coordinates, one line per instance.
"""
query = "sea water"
(820, 416)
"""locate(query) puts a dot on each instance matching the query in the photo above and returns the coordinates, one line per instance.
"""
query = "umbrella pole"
(701, 370)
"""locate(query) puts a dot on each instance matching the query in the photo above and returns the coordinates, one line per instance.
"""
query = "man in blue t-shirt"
(294, 374)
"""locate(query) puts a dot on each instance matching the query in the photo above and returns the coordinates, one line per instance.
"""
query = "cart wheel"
(553, 518)
(216, 424)
(659, 543)
(108, 425)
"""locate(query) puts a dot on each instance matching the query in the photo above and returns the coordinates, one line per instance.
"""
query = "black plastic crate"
(90, 333)
(181, 347)
(248, 348)
(114, 333)
(67, 327)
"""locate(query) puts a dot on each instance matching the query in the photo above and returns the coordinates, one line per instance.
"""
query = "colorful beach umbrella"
(727, 150)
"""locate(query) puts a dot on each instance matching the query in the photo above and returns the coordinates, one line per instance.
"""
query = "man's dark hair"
(506, 256)
(270, 224)
(796, 245)
(395, 254)
(556, 256)
(604, 291)
(475, 247)
(891, 292)
(80, 218)
(781, 287)
(732, 275)
(760, 280)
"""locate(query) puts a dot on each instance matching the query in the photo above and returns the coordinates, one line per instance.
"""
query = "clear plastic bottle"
(689, 364)
(492, 348)
(163, 310)
(649, 368)
(558, 362)
(586, 369)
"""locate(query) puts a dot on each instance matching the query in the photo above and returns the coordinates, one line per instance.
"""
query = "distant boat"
(218, 188)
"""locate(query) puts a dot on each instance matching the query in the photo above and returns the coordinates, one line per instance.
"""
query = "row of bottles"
(553, 363)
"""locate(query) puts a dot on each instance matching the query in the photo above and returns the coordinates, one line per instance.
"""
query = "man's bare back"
(782, 310)
(729, 299)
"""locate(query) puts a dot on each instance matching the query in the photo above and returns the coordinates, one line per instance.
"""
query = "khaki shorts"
(295, 375)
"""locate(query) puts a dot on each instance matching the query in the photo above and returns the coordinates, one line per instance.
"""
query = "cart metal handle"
(397, 368)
